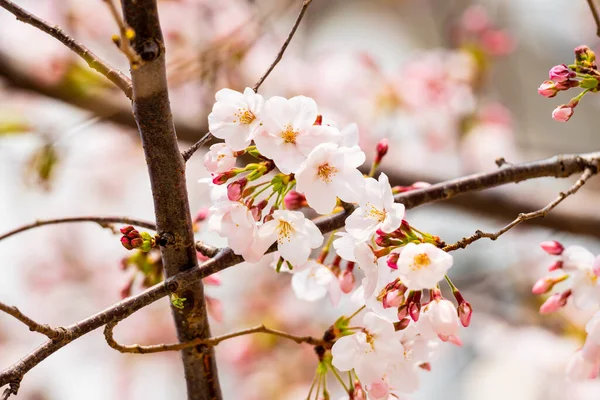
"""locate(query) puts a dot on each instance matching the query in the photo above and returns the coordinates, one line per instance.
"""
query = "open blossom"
(295, 235)
(313, 280)
(370, 265)
(288, 133)
(369, 351)
(422, 266)
(219, 158)
(330, 172)
(234, 221)
(235, 117)
(579, 263)
(377, 211)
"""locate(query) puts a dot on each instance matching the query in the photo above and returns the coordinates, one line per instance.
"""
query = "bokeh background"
(451, 83)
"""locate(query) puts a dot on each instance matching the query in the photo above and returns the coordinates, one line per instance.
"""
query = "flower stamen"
(326, 172)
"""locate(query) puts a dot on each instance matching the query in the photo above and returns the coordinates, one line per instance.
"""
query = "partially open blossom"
(561, 73)
(219, 158)
(330, 172)
(443, 318)
(235, 117)
(377, 211)
(548, 89)
(295, 235)
(562, 113)
(288, 134)
(422, 266)
(312, 281)
(234, 221)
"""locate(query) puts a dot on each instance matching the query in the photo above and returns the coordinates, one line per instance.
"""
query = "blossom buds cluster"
(132, 239)
(564, 77)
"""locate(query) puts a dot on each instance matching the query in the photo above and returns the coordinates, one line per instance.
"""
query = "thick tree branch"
(279, 56)
(558, 167)
(114, 75)
(102, 221)
(166, 168)
(541, 213)
(46, 330)
(158, 348)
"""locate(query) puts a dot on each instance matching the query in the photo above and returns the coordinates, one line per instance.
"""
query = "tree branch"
(305, 5)
(558, 167)
(158, 348)
(207, 250)
(151, 108)
(594, 11)
(193, 148)
(46, 330)
(464, 242)
(114, 75)
(102, 221)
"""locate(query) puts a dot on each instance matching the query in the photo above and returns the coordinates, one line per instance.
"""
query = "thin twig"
(595, 14)
(558, 167)
(113, 74)
(46, 330)
(189, 152)
(461, 244)
(102, 221)
(126, 34)
(305, 4)
(158, 348)
(12, 389)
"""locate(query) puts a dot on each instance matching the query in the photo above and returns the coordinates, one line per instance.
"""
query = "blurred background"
(451, 83)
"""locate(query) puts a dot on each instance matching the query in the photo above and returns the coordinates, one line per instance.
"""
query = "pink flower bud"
(347, 281)
(465, 311)
(383, 241)
(555, 266)
(548, 89)
(126, 229)
(561, 73)
(382, 149)
(552, 247)
(392, 260)
(294, 200)
(133, 234)
(402, 312)
(126, 243)
(414, 310)
(235, 189)
(562, 113)
(555, 302)
(393, 299)
(452, 339)
(544, 285)
(256, 213)
(222, 178)
(402, 324)
(137, 242)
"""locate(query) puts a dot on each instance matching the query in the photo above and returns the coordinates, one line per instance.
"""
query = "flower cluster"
(303, 160)
(579, 270)
(583, 74)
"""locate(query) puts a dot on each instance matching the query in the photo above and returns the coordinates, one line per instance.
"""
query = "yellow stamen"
(245, 116)
(326, 172)
(289, 135)
(284, 231)
(420, 261)
(375, 213)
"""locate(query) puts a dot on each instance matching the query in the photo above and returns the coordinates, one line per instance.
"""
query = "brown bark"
(166, 168)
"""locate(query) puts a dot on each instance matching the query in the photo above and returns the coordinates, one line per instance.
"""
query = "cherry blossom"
(377, 211)
(422, 266)
(330, 172)
(235, 117)
(313, 280)
(219, 158)
(234, 221)
(295, 235)
(288, 134)
(442, 317)
(369, 351)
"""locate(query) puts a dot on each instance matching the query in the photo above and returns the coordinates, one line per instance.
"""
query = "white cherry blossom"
(233, 221)
(441, 316)
(369, 351)
(313, 280)
(330, 172)
(345, 245)
(235, 117)
(295, 235)
(288, 134)
(422, 266)
(219, 158)
(370, 265)
(377, 211)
